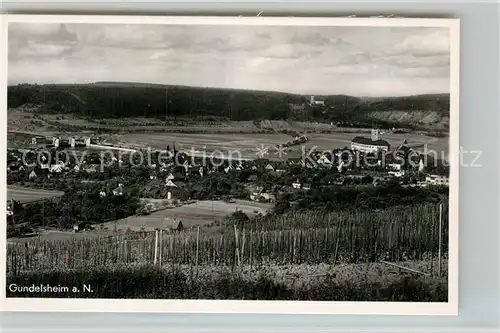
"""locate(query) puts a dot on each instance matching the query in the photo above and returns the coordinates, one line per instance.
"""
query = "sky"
(358, 61)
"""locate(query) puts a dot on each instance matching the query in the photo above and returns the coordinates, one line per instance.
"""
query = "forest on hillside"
(103, 100)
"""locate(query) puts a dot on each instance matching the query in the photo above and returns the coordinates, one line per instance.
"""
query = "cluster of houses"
(258, 193)
(376, 145)
(170, 185)
(42, 165)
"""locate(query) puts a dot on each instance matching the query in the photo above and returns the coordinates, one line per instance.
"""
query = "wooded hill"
(109, 99)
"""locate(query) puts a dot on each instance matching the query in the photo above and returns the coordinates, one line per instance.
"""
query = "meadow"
(212, 134)
(246, 144)
(192, 214)
(23, 194)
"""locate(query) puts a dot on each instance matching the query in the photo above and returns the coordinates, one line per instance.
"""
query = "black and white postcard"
(230, 164)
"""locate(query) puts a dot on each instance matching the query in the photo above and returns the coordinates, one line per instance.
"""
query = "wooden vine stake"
(197, 248)
(440, 237)
(156, 247)
(237, 245)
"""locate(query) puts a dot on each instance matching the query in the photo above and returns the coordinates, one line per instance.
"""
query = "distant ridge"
(133, 99)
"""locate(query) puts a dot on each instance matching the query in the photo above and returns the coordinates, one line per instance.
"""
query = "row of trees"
(83, 208)
(334, 198)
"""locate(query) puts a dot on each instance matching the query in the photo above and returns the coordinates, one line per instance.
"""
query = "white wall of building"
(367, 148)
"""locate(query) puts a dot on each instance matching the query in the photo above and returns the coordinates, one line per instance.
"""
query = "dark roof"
(367, 141)
(155, 182)
(403, 149)
(177, 225)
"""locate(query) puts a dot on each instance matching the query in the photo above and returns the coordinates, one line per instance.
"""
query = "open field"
(244, 136)
(24, 120)
(28, 195)
(138, 124)
(247, 144)
(199, 213)
(244, 144)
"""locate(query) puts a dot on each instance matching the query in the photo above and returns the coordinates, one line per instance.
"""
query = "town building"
(421, 165)
(259, 194)
(313, 101)
(119, 190)
(395, 166)
(170, 183)
(10, 207)
(397, 174)
(177, 226)
(437, 180)
(367, 145)
(37, 140)
(324, 160)
(269, 167)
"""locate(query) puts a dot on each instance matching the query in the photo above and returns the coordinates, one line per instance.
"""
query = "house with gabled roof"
(177, 226)
(169, 183)
(255, 192)
(297, 184)
(228, 168)
(90, 168)
(293, 161)
(402, 151)
(269, 167)
(395, 166)
(56, 168)
(119, 190)
(421, 165)
(324, 160)
(258, 193)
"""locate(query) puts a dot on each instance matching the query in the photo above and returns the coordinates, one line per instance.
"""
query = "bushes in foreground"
(148, 282)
